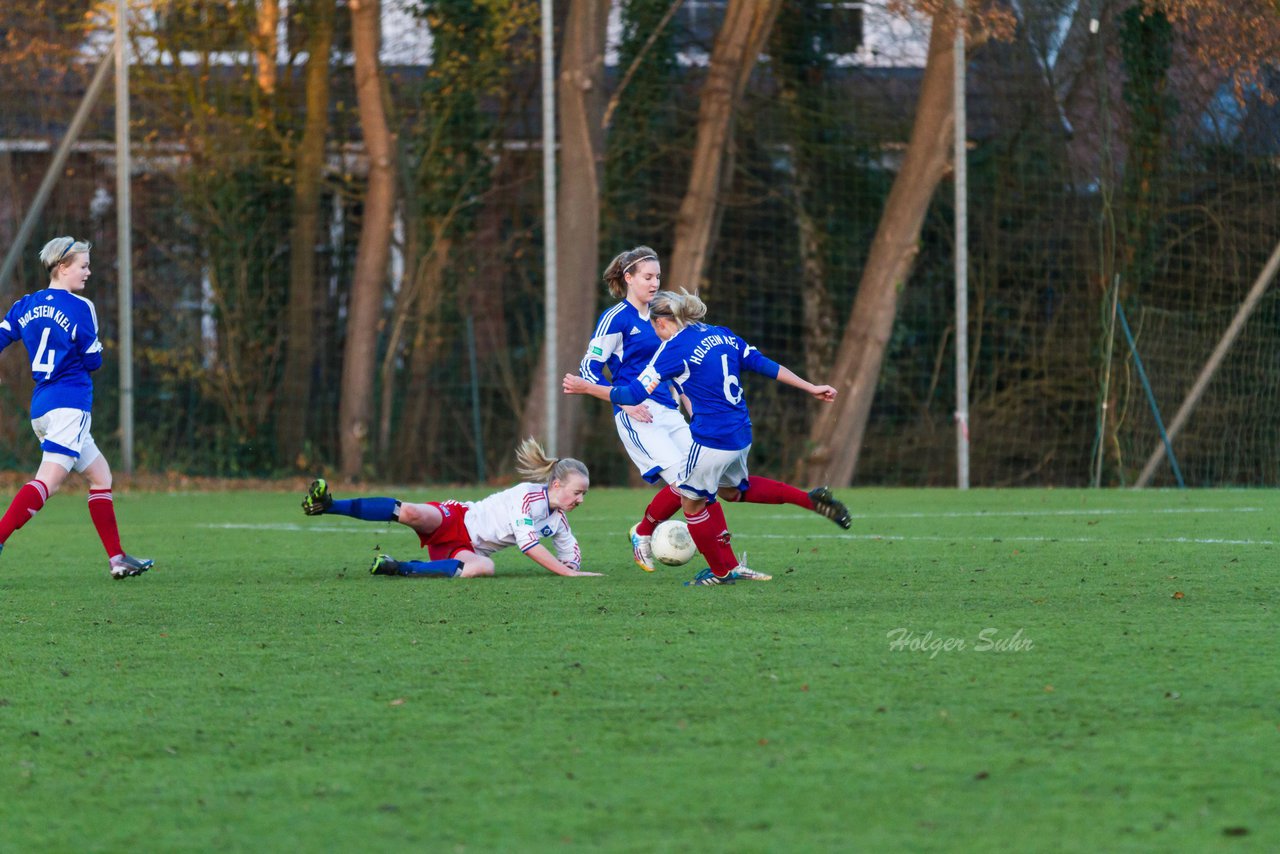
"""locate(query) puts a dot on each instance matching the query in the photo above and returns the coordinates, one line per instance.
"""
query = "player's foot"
(641, 549)
(318, 499)
(707, 578)
(828, 505)
(744, 574)
(384, 565)
(127, 566)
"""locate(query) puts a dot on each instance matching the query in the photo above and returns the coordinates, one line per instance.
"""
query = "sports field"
(998, 670)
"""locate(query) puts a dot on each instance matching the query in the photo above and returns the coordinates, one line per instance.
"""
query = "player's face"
(568, 493)
(644, 281)
(665, 327)
(73, 275)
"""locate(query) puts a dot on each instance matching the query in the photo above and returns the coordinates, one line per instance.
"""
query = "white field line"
(925, 538)
(981, 514)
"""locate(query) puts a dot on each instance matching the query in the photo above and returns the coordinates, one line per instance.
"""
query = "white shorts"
(659, 449)
(709, 469)
(65, 438)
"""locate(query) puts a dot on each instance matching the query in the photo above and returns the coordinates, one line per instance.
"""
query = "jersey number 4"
(44, 356)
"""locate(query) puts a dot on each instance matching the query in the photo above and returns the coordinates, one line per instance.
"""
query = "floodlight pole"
(124, 242)
(961, 257)
(549, 223)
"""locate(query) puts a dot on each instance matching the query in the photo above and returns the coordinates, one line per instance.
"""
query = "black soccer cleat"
(384, 565)
(828, 505)
(318, 500)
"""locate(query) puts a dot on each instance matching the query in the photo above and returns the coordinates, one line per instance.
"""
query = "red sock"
(102, 510)
(761, 490)
(663, 506)
(727, 557)
(25, 504)
(712, 540)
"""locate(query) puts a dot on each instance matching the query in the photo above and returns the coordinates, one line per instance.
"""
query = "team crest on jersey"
(546, 531)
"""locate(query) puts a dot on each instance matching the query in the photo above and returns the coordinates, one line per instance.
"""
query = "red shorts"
(452, 536)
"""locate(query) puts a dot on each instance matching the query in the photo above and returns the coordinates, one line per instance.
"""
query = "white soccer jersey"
(520, 516)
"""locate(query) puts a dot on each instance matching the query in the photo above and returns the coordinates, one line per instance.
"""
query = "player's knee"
(477, 567)
(730, 493)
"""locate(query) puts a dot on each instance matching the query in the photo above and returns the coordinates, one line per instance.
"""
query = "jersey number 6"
(732, 388)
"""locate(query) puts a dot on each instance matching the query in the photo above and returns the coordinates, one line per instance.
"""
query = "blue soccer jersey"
(624, 342)
(706, 363)
(60, 331)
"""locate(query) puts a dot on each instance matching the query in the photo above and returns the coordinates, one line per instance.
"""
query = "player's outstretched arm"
(824, 393)
(574, 384)
(540, 555)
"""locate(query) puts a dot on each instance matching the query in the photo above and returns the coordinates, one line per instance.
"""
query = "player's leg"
(319, 500)
(387, 565)
(734, 478)
(57, 432)
(102, 510)
(659, 450)
(762, 490)
(705, 517)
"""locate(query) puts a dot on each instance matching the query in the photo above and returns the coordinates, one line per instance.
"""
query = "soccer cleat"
(828, 505)
(318, 499)
(127, 566)
(706, 578)
(642, 549)
(384, 565)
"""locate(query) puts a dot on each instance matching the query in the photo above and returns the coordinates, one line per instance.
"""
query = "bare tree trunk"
(268, 20)
(836, 437)
(355, 408)
(741, 38)
(581, 101)
(308, 179)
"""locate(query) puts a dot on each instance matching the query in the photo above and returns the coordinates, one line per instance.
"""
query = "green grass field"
(1118, 687)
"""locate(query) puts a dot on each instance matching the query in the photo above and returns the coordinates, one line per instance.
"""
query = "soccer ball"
(672, 543)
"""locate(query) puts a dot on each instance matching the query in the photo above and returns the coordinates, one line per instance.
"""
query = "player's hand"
(574, 384)
(824, 393)
(639, 412)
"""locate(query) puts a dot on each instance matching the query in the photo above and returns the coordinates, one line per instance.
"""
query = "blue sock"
(368, 509)
(447, 568)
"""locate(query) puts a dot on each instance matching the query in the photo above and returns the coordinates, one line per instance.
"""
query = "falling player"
(460, 536)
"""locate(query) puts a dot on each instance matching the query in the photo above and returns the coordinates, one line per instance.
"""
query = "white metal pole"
(961, 259)
(124, 242)
(549, 222)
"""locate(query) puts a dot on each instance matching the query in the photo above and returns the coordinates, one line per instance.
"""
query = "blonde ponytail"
(533, 463)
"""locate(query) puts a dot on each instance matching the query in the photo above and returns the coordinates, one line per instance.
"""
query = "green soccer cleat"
(127, 566)
(826, 504)
(384, 565)
(318, 499)
(707, 578)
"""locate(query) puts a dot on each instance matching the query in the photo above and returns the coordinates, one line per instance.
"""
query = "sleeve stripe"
(602, 328)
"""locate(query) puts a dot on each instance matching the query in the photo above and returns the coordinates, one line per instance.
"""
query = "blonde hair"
(684, 308)
(533, 463)
(61, 250)
(615, 275)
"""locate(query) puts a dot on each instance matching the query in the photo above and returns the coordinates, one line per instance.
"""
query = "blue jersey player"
(653, 432)
(707, 363)
(60, 331)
